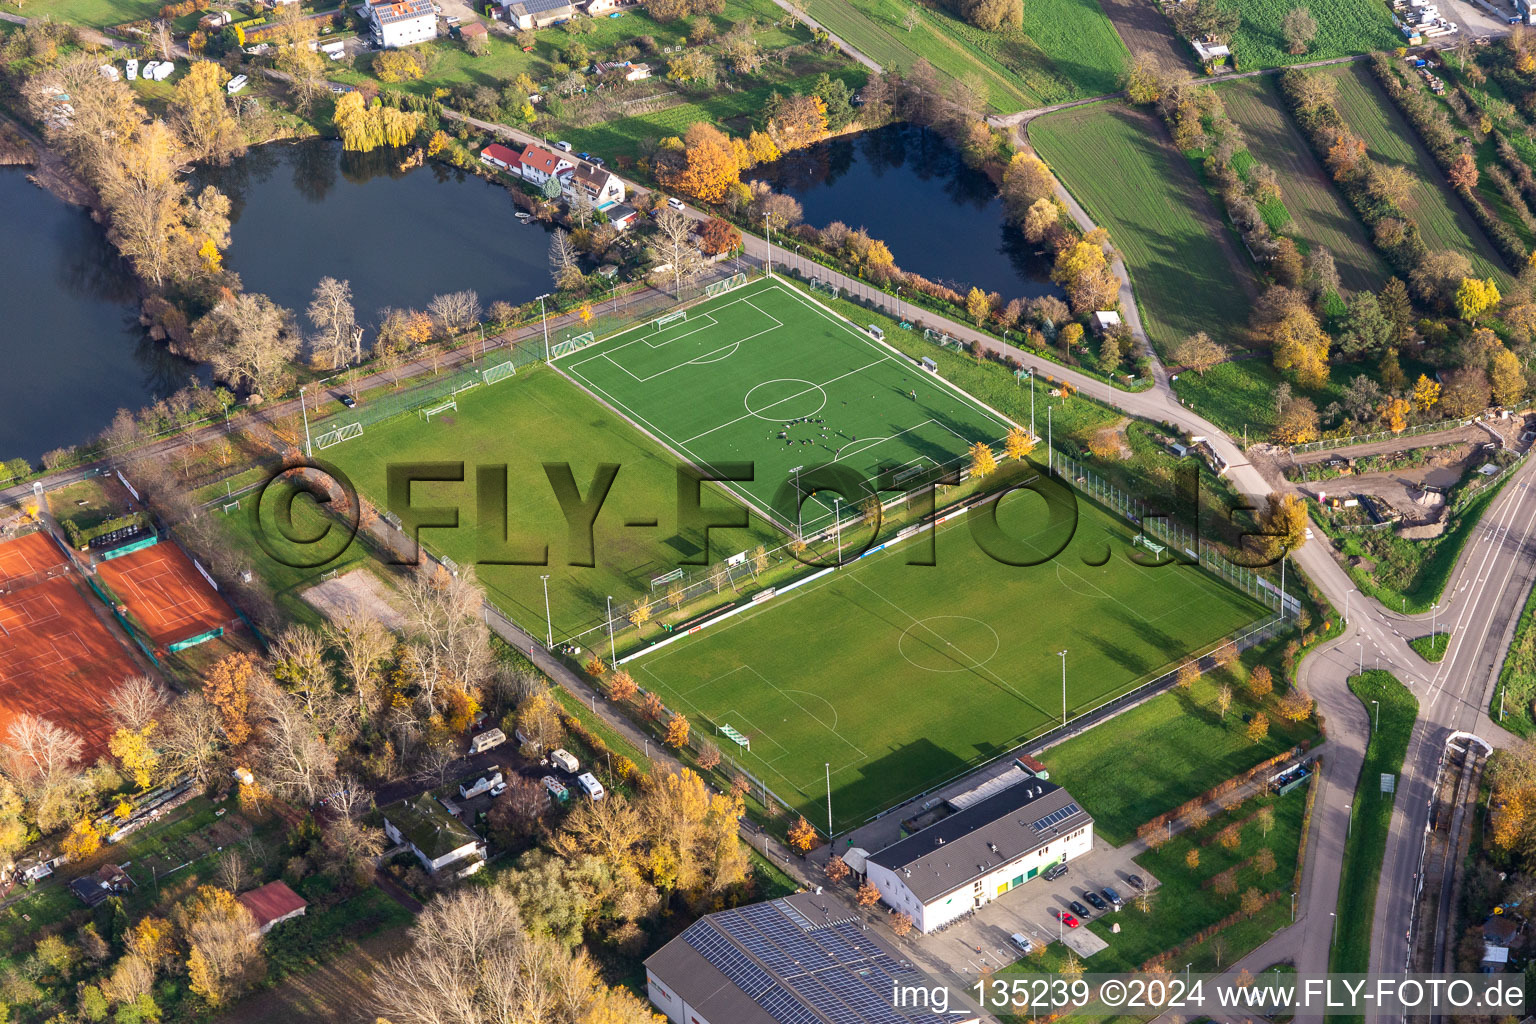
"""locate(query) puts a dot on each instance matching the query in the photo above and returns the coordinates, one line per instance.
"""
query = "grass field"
(1343, 27)
(1176, 746)
(1514, 699)
(1443, 221)
(765, 375)
(1370, 815)
(1320, 216)
(1186, 272)
(96, 13)
(534, 418)
(900, 676)
(1066, 49)
(1431, 648)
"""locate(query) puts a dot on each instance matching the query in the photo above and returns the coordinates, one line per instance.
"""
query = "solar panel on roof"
(1062, 814)
(729, 960)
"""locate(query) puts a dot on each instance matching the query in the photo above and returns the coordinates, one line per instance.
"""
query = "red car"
(1065, 917)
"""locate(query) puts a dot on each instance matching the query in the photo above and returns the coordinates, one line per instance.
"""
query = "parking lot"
(982, 939)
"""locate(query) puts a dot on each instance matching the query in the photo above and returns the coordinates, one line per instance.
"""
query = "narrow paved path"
(838, 41)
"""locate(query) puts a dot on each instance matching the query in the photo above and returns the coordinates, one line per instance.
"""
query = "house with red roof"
(539, 164)
(272, 904)
(502, 158)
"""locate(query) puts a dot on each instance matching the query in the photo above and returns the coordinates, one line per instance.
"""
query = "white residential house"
(602, 188)
(443, 843)
(539, 164)
(971, 857)
(397, 23)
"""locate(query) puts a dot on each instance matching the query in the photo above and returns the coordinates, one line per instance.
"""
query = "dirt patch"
(358, 591)
(1145, 29)
(339, 991)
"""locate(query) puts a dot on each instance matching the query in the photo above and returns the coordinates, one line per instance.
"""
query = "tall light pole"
(829, 800)
(1293, 908)
(1377, 726)
(613, 657)
(768, 235)
(1062, 654)
(1031, 372)
(1361, 646)
(837, 524)
(304, 408)
(549, 622)
(545, 324)
(1346, 606)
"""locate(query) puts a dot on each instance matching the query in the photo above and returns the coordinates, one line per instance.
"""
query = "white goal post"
(1141, 540)
(501, 371)
(661, 323)
(342, 433)
(729, 284)
(427, 414)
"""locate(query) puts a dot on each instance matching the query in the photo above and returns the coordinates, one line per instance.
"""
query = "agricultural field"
(1343, 27)
(1185, 268)
(95, 13)
(1320, 217)
(901, 676)
(1442, 219)
(1067, 49)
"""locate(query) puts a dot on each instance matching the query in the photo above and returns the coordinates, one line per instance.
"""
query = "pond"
(307, 210)
(73, 348)
(910, 188)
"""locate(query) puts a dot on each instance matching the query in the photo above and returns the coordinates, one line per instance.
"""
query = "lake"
(73, 348)
(910, 188)
(307, 210)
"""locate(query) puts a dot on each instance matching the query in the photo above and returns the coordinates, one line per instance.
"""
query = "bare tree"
(564, 265)
(354, 843)
(673, 248)
(448, 640)
(136, 703)
(293, 759)
(249, 340)
(189, 738)
(455, 311)
(361, 642)
(43, 760)
(335, 322)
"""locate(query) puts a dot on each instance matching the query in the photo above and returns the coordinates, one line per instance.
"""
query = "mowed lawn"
(1343, 27)
(1187, 274)
(522, 423)
(1168, 751)
(1320, 216)
(767, 376)
(95, 13)
(901, 676)
(1442, 219)
(1066, 49)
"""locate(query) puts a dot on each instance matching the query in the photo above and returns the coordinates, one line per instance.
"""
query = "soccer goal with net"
(501, 371)
(736, 737)
(729, 284)
(937, 337)
(816, 284)
(1141, 540)
(451, 405)
(345, 432)
(661, 323)
(569, 345)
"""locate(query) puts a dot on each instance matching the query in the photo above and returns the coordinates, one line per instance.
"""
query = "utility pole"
(837, 516)
(829, 800)
(613, 657)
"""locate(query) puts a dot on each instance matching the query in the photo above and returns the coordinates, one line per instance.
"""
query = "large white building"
(803, 959)
(975, 855)
(397, 23)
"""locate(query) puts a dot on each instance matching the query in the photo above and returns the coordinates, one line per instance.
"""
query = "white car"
(675, 203)
(498, 789)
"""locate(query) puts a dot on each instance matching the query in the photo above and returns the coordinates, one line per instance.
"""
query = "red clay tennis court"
(57, 659)
(167, 595)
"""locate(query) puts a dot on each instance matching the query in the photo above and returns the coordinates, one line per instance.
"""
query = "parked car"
(1113, 897)
(1079, 909)
(585, 156)
(675, 203)
(1024, 945)
(1055, 871)
(498, 789)
(597, 161)
(1137, 882)
(564, 147)
(348, 401)
(1064, 917)
(1096, 900)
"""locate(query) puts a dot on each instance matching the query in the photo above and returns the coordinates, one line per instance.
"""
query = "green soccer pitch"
(901, 676)
(765, 374)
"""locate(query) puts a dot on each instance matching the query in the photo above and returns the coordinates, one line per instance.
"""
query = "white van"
(236, 84)
(562, 758)
(589, 784)
(1021, 943)
(132, 67)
